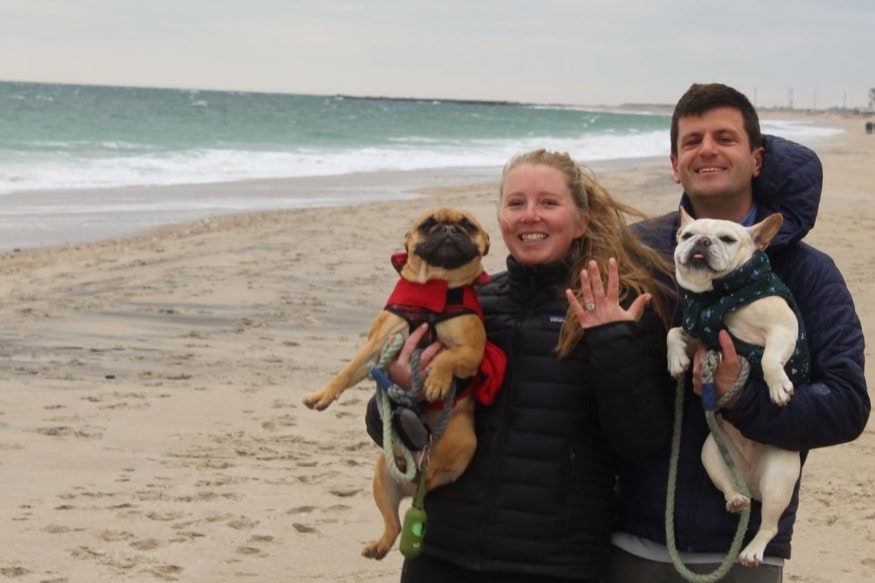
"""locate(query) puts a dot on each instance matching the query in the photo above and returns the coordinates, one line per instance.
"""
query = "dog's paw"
(377, 549)
(781, 393)
(752, 555)
(737, 503)
(678, 364)
(318, 400)
(437, 384)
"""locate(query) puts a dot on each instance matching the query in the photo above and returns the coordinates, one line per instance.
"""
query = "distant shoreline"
(627, 106)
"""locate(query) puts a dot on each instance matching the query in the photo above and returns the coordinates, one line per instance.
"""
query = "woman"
(584, 386)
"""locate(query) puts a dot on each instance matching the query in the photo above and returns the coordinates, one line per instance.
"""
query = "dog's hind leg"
(779, 472)
(387, 494)
(453, 450)
(719, 473)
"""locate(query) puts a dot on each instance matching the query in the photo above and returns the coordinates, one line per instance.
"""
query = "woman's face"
(537, 214)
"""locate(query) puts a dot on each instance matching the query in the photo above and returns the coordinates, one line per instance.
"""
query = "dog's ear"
(486, 242)
(686, 219)
(765, 230)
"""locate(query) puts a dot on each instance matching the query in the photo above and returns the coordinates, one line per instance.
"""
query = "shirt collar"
(751, 216)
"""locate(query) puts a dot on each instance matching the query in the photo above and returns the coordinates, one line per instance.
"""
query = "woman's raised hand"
(594, 306)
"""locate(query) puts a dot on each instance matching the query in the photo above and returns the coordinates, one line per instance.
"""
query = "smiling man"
(729, 170)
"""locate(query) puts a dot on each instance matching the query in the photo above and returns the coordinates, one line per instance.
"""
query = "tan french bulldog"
(444, 252)
(708, 250)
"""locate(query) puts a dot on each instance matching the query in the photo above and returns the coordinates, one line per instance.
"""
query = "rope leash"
(712, 359)
(413, 526)
(388, 392)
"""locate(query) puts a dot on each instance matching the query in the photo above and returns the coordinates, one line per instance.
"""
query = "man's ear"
(674, 168)
(758, 154)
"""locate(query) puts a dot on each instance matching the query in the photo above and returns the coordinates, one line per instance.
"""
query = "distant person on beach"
(585, 386)
(870, 127)
(730, 171)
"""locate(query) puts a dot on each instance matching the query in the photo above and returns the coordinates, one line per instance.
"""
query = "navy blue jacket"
(832, 408)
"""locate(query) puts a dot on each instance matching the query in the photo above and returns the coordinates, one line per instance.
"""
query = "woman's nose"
(530, 213)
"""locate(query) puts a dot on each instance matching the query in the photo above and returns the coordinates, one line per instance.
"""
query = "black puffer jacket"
(537, 496)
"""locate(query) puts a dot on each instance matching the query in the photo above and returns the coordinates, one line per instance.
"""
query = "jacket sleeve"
(631, 383)
(834, 406)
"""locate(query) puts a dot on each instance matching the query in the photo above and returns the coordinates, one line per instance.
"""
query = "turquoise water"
(74, 136)
(84, 162)
(70, 136)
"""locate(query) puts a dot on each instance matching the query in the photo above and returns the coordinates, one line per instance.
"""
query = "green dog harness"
(704, 313)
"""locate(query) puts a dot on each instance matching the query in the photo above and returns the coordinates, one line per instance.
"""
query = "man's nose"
(708, 145)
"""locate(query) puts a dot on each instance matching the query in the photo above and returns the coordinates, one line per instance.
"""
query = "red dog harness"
(433, 302)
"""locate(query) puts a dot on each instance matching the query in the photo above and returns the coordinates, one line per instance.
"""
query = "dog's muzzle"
(699, 254)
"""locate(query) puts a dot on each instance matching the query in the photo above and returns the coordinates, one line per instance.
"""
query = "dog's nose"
(704, 241)
(449, 229)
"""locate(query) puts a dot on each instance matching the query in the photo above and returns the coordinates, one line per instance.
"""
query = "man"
(730, 171)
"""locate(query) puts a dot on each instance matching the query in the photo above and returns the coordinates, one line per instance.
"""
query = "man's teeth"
(533, 236)
(707, 170)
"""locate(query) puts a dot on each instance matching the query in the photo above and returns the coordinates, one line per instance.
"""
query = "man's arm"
(833, 407)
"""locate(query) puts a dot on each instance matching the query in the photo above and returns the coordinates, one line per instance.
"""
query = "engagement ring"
(589, 307)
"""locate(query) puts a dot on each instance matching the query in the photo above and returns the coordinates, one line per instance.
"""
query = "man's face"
(714, 162)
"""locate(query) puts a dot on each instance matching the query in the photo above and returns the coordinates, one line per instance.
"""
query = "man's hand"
(400, 370)
(726, 372)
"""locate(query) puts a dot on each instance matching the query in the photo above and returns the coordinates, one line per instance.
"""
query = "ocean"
(59, 142)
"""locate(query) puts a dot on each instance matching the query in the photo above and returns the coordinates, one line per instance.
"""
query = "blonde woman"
(585, 386)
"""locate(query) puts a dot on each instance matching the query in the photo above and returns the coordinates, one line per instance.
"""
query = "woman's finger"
(579, 311)
(411, 343)
(586, 288)
(595, 279)
(429, 353)
(636, 310)
(613, 282)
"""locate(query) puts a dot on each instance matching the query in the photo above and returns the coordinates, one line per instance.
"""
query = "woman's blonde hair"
(607, 235)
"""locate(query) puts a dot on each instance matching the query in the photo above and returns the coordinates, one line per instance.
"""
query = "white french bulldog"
(708, 250)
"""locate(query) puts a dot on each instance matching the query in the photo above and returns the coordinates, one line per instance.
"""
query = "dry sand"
(151, 424)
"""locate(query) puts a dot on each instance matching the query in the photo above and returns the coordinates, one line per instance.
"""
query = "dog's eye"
(685, 236)
(427, 225)
(729, 240)
(468, 226)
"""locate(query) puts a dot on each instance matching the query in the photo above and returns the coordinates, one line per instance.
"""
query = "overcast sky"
(808, 53)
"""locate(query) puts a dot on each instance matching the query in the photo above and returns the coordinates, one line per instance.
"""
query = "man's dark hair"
(703, 97)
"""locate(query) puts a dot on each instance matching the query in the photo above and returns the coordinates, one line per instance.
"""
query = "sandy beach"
(151, 425)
